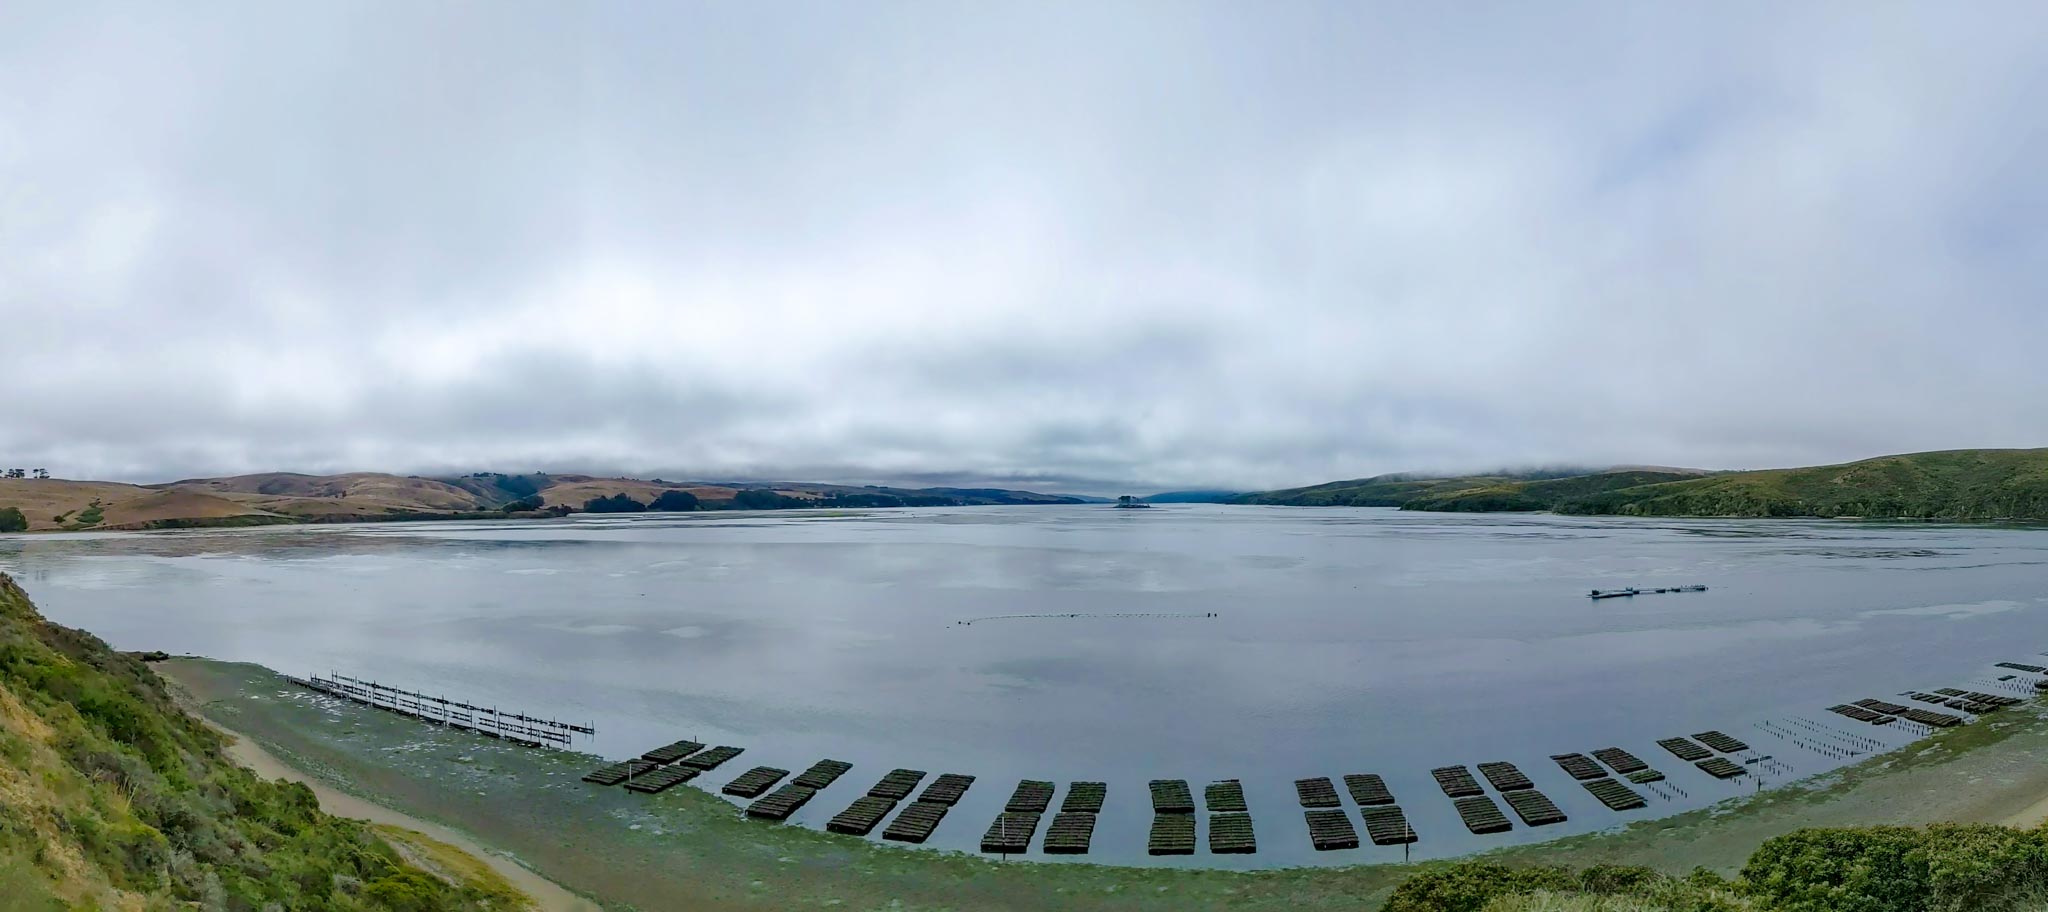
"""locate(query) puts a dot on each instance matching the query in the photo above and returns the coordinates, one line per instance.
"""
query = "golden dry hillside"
(53, 503)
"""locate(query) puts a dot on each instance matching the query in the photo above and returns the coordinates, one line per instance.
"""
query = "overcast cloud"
(1086, 245)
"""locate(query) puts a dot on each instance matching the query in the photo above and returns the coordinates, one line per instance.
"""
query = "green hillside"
(1971, 485)
(113, 798)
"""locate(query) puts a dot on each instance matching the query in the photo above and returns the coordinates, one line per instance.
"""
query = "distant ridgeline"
(1970, 485)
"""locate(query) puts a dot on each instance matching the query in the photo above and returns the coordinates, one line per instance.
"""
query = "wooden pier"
(822, 773)
(1616, 796)
(1720, 742)
(916, 823)
(1456, 781)
(713, 758)
(782, 802)
(1084, 798)
(1579, 766)
(1070, 833)
(1619, 760)
(489, 721)
(1482, 816)
(1684, 750)
(1225, 796)
(1387, 825)
(1010, 833)
(1330, 830)
(1535, 808)
(898, 784)
(1368, 789)
(946, 789)
(1505, 777)
(861, 818)
(1317, 793)
(1172, 834)
(1171, 796)
(1231, 834)
(753, 782)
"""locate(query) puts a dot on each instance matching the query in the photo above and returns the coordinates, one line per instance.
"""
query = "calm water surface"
(1343, 640)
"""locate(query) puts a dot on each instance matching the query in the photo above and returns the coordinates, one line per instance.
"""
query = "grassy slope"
(1950, 485)
(112, 798)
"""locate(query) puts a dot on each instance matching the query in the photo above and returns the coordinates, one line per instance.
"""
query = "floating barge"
(1231, 834)
(1330, 830)
(1225, 796)
(897, 784)
(1456, 781)
(861, 818)
(1070, 833)
(1172, 834)
(1368, 789)
(1084, 798)
(1684, 750)
(1171, 796)
(1387, 825)
(782, 802)
(1505, 777)
(1010, 833)
(916, 823)
(1317, 793)
(753, 782)
(1620, 797)
(1482, 816)
(1535, 808)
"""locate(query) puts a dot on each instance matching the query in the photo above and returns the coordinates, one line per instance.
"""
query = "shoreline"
(546, 895)
(689, 848)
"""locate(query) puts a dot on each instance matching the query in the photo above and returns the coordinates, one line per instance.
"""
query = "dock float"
(1619, 760)
(946, 789)
(2030, 669)
(916, 823)
(1482, 816)
(1684, 750)
(753, 782)
(1938, 720)
(1171, 796)
(1505, 777)
(673, 752)
(861, 817)
(660, 780)
(822, 773)
(1010, 833)
(1620, 797)
(1231, 834)
(1084, 798)
(1317, 793)
(1172, 834)
(1882, 706)
(1330, 830)
(1931, 698)
(1720, 742)
(1535, 808)
(1862, 715)
(898, 784)
(1456, 781)
(782, 802)
(1225, 796)
(1644, 776)
(1721, 768)
(1070, 833)
(713, 758)
(620, 771)
(1579, 766)
(1032, 796)
(1368, 789)
(1387, 825)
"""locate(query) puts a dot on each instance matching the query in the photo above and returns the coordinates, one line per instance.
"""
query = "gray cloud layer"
(1181, 244)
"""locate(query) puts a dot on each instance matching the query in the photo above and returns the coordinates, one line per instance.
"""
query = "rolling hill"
(1968, 485)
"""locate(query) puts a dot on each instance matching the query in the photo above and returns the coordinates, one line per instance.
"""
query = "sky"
(1070, 246)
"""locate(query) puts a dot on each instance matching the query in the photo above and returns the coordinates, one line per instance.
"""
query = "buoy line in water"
(1146, 615)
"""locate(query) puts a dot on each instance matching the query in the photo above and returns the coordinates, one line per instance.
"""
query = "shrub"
(617, 503)
(11, 520)
(674, 502)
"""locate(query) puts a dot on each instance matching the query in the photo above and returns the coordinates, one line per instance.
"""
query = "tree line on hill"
(746, 499)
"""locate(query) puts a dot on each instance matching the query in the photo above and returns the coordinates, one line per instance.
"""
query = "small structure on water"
(1625, 593)
(1127, 502)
